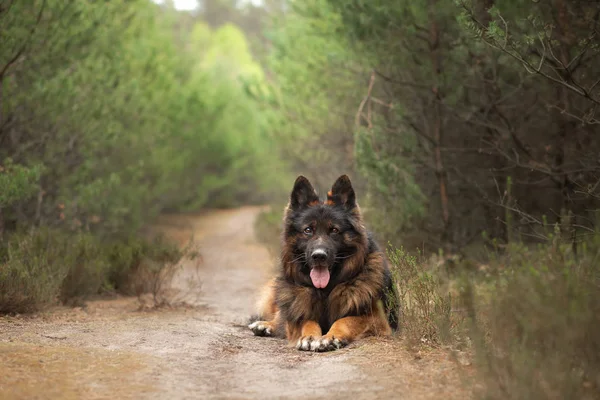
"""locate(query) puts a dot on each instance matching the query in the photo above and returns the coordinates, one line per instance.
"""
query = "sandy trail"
(109, 350)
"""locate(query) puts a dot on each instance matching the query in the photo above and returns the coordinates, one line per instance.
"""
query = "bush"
(46, 266)
(535, 332)
(425, 308)
(33, 270)
(88, 268)
(141, 266)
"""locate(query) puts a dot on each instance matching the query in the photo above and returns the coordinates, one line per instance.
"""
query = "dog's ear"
(342, 193)
(303, 194)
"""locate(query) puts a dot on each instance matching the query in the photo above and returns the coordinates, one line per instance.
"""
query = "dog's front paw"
(261, 328)
(324, 343)
(304, 343)
(327, 343)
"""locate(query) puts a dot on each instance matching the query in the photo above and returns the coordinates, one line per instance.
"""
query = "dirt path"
(110, 350)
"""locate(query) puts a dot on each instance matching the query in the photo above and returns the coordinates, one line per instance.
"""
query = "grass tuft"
(426, 316)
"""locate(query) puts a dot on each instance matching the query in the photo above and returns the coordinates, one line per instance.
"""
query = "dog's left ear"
(342, 193)
(303, 194)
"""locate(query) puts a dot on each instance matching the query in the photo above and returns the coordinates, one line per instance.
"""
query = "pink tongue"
(320, 277)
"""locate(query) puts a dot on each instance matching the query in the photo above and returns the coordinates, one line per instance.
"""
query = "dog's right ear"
(303, 194)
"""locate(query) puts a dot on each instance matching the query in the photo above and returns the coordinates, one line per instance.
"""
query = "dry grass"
(425, 303)
(535, 324)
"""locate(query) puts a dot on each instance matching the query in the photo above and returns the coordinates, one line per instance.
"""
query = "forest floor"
(113, 349)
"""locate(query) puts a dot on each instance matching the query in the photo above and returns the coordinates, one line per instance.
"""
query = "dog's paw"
(304, 343)
(261, 328)
(327, 343)
(324, 343)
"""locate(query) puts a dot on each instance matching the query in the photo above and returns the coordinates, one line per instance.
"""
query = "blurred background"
(454, 119)
(458, 121)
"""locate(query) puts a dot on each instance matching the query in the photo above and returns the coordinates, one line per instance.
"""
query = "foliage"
(107, 118)
(316, 75)
(391, 184)
(447, 101)
(33, 270)
(17, 182)
(109, 121)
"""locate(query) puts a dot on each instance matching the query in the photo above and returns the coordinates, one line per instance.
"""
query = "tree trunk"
(565, 126)
(437, 134)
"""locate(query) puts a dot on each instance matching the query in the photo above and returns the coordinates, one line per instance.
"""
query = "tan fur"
(308, 329)
(347, 329)
(351, 328)
(266, 301)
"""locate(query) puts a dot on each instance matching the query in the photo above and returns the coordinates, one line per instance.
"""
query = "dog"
(334, 285)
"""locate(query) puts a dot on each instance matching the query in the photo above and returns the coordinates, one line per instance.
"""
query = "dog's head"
(322, 240)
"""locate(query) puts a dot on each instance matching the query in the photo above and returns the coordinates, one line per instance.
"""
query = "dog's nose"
(319, 255)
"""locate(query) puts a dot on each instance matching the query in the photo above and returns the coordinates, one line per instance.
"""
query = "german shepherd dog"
(334, 285)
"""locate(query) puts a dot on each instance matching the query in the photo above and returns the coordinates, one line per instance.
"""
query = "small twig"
(364, 101)
(543, 56)
(380, 102)
(505, 30)
(579, 56)
(588, 118)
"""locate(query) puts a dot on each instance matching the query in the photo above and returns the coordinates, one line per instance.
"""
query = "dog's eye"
(335, 230)
(308, 230)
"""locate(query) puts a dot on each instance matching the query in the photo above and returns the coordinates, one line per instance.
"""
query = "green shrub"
(166, 130)
(34, 267)
(135, 262)
(88, 268)
(45, 266)
(16, 181)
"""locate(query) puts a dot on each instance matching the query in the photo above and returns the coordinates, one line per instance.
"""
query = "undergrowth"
(45, 267)
(426, 307)
(535, 324)
(529, 318)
